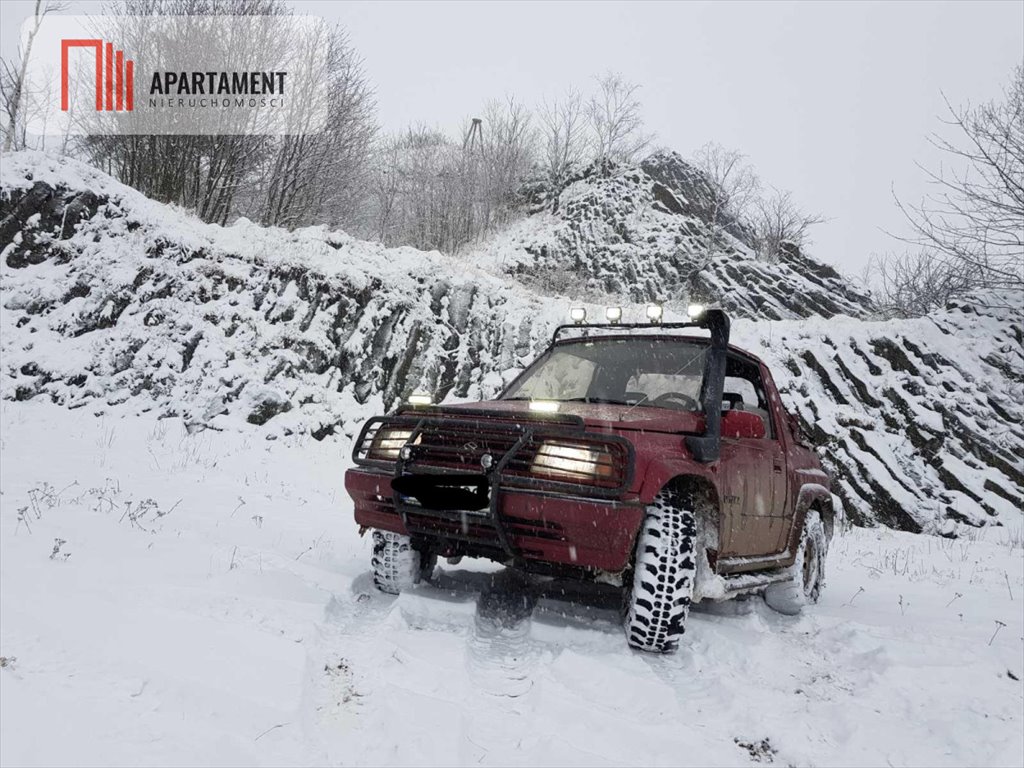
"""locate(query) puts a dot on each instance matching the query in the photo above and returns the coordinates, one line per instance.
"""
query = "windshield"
(664, 373)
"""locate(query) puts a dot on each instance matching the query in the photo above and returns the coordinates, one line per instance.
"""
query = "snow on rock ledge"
(110, 300)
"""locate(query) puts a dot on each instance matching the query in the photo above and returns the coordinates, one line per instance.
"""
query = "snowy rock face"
(921, 422)
(643, 233)
(113, 302)
(110, 298)
(691, 189)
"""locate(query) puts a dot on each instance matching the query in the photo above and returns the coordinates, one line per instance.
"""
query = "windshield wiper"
(595, 400)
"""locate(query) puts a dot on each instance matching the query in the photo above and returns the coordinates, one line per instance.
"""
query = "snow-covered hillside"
(113, 303)
(204, 599)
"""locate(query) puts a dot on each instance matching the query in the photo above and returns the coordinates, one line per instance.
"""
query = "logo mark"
(115, 76)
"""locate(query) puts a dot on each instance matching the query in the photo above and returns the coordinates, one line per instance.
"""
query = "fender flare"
(683, 474)
(811, 495)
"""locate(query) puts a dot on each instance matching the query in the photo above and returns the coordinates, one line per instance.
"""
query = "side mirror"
(743, 424)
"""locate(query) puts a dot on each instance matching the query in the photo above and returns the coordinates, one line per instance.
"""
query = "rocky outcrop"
(644, 233)
(694, 191)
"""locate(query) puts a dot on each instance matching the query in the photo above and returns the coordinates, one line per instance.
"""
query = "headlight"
(388, 442)
(572, 462)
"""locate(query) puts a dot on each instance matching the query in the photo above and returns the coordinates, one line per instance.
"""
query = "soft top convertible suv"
(644, 456)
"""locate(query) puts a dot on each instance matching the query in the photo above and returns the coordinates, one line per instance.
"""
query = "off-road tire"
(664, 571)
(397, 564)
(806, 574)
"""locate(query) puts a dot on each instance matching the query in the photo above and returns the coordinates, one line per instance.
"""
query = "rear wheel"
(397, 564)
(658, 600)
(806, 575)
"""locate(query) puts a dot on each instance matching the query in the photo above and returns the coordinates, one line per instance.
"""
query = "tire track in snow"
(480, 624)
(501, 663)
(500, 657)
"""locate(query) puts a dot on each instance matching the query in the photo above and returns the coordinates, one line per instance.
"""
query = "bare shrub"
(915, 283)
(776, 220)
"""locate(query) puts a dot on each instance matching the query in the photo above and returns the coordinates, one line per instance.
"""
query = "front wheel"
(806, 574)
(397, 564)
(663, 576)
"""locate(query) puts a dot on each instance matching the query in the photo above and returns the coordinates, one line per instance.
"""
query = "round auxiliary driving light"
(405, 452)
(578, 315)
(487, 461)
(614, 314)
(655, 312)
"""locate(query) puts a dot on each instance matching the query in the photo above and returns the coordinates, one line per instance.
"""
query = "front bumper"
(529, 526)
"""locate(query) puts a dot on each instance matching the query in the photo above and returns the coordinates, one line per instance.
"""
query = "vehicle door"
(753, 471)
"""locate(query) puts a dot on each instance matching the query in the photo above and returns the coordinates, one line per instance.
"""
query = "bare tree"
(615, 118)
(733, 189)
(777, 222)
(323, 177)
(432, 191)
(213, 174)
(299, 178)
(385, 186)
(12, 79)
(508, 152)
(564, 139)
(736, 185)
(975, 216)
(422, 185)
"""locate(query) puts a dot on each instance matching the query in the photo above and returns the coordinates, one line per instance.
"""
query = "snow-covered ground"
(204, 599)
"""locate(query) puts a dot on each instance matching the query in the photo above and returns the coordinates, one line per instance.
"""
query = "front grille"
(461, 445)
(455, 441)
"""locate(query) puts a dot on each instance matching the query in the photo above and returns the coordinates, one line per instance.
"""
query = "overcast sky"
(831, 100)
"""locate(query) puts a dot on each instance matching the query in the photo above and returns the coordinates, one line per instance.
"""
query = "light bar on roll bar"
(709, 320)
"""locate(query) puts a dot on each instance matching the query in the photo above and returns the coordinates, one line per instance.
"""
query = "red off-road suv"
(645, 456)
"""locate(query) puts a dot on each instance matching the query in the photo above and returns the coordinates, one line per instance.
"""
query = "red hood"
(603, 417)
